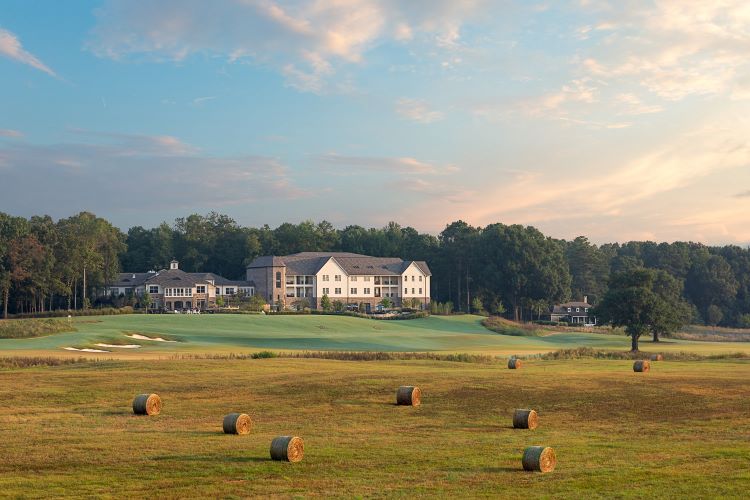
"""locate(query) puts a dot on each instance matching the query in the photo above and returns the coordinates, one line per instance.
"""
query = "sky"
(621, 120)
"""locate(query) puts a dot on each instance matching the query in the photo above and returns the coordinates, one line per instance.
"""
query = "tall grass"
(30, 362)
(27, 328)
(507, 327)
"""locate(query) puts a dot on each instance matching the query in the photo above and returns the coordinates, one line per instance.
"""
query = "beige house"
(174, 289)
(348, 277)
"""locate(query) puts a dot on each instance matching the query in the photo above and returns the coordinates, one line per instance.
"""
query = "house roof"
(563, 308)
(177, 278)
(126, 280)
(309, 263)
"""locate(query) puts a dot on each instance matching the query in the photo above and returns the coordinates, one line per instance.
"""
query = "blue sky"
(617, 120)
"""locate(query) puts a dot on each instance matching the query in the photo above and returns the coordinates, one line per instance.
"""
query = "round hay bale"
(408, 395)
(287, 448)
(525, 419)
(147, 404)
(539, 459)
(657, 357)
(237, 423)
(642, 365)
(514, 363)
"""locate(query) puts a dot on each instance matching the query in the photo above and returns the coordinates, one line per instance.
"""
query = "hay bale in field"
(147, 404)
(287, 448)
(237, 423)
(408, 395)
(525, 419)
(514, 363)
(539, 459)
(657, 357)
(642, 365)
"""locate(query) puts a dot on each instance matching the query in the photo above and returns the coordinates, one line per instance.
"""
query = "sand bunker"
(83, 350)
(143, 337)
(126, 346)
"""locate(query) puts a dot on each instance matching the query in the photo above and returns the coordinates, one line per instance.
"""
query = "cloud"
(674, 48)
(200, 100)
(6, 132)
(10, 46)
(305, 40)
(417, 110)
(608, 198)
(115, 172)
(744, 194)
(402, 165)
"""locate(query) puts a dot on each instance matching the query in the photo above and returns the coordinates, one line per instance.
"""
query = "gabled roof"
(563, 308)
(177, 278)
(127, 280)
(309, 263)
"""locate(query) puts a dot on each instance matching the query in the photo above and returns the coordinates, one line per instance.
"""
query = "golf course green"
(128, 336)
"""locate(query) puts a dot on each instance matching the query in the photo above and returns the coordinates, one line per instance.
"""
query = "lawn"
(247, 333)
(681, 430)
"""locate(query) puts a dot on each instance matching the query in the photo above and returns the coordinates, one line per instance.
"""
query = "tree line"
(510, 269)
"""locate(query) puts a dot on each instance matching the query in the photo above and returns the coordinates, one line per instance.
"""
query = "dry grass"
(29, 328)
(506, 327)
(661, 433)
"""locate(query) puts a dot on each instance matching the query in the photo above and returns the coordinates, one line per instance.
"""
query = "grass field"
(681, 430)
(246, 333)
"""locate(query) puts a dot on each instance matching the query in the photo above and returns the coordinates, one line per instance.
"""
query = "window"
(200, 289)
(325, 277)
(153, 289)
(325, 291)
(420, 291)
(420, 277)
(412, 291)
(354, 278)
(412, 277)
(586, 310)
(406, 290)
(367, 278)
(367, 291)
(354, 291)
(278, 279)
(569, 309)
(337, 291)
(578, 309)
(377, 291)
(337, 277)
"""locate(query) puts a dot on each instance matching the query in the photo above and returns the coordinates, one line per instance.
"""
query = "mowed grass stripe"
(241, 333)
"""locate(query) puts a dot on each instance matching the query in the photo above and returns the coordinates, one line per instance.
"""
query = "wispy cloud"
(200, 100)
(744, 194)
(403, 165)
(417, 110)
(135, 172)
(304, 39)
(6, 132)
(10, 46)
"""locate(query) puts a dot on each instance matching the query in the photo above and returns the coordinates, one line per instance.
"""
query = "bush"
(507, 327)
(61, 313)
(264, 355)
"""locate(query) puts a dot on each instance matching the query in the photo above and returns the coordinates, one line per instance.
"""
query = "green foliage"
(387, 303)
(339, 306)
(220, 302)
(256, 303)
(641, 301)
(507, 327)
(264, 355)
(714, 315)
(325, 303)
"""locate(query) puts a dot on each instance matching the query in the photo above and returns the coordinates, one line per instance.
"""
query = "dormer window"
(569, 309)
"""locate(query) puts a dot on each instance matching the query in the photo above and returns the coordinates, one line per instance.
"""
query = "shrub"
(264, 355)
(27, 328)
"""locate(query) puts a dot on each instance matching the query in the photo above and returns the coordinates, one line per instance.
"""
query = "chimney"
(174, 265)
(585, 299)
(133, 276)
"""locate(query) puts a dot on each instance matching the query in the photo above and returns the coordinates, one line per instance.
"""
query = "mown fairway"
(681, 430)
(244, 333)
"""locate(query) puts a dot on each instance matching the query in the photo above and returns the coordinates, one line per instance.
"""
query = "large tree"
(637, 301)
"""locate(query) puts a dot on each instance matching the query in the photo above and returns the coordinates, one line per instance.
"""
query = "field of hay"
(682, 429)
(248, 333)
